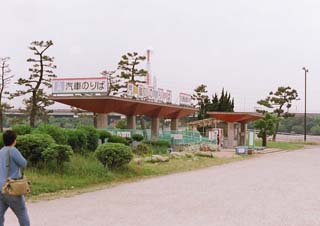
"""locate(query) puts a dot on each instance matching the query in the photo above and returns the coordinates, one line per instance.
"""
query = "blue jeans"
(18, 206)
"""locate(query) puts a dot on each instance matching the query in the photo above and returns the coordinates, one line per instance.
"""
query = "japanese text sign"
(79, 85)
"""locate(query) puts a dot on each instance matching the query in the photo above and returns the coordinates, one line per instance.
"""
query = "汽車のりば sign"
(79, 85)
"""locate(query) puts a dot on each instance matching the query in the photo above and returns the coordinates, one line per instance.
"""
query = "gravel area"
(279, 189)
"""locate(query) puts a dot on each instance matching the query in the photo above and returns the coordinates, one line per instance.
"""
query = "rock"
(177, 154)
(204, 154)
(137, 161)
(156, 159)
(147, 159)
(159, 158)
(189, 155)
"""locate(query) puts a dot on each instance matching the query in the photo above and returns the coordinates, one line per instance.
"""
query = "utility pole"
(305, 103)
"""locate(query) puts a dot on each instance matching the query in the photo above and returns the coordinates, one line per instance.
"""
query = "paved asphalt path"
(275, 190)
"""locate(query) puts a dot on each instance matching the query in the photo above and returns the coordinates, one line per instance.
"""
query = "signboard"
(149, 93)
(124, 134)
(185, 99)
(177, 136)
(79, 85)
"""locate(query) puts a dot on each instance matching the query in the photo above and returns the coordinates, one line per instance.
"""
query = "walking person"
(16, 203)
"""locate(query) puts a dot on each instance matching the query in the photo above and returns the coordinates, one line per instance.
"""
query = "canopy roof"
(125, 106)
(240, 117)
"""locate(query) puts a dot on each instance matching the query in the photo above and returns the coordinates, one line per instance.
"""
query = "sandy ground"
(277, 189)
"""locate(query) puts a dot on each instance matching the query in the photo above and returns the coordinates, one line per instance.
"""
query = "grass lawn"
(283, 145)
(85, 173)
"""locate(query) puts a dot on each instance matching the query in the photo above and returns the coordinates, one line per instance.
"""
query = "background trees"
(39, 79)
(224, 103)
(5, 78)
(280, 102)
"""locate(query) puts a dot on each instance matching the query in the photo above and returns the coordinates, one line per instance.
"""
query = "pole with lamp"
(305, 102)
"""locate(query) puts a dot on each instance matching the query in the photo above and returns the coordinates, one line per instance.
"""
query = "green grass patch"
(86, 172)
(282, 145)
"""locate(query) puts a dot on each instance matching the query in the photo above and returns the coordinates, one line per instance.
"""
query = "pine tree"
(39, 80)
(129, 71)
(280, 102)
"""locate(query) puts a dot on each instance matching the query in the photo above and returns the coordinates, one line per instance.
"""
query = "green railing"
(173, 137)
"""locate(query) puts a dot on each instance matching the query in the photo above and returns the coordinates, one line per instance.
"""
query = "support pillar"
(243, 134)
(131, 122)
(102, 121)
(230, 134)
(174, 124)
(155, 126)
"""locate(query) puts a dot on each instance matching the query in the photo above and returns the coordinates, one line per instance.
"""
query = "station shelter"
(236, 126)
(102, 105)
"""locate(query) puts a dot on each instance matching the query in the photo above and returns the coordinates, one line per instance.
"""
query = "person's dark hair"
(9, 137)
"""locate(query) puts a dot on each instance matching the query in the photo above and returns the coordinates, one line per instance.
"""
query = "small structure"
(233, 118)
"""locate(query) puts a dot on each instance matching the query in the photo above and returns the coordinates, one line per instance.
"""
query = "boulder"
(138, 161)
(204, 154)
(159, 158)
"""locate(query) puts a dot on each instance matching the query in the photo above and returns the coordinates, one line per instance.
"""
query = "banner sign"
(149, 93)
(185, 99)
(79, 85)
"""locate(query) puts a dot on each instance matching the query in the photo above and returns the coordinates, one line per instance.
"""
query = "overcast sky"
(249, 47)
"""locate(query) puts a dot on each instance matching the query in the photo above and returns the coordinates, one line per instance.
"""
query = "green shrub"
(141, 149)
(58, 153)
(77, 140)
(159, 143)
(92, 137)
(22, 129)
(315, 130)
(118, 139)
(121, 124)
(57, 133)
(298, 129)
(104, 135)
(31, 146)
(114, 156)
(137, 137)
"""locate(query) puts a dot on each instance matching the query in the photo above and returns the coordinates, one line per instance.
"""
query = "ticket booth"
(216, 136)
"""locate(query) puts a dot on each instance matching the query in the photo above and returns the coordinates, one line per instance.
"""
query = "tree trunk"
(275, 132)
(95, 120)
(1, 120)
(264, 140)
(33, 111)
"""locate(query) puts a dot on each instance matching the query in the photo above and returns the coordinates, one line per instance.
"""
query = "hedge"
(114, 156)
(142, 149)
(118, 139)
(57, 133)
(77, 140)
(22, 129)
(92, 137)
(58, 153)
(103, 135)
(137, 137)
(32, 146)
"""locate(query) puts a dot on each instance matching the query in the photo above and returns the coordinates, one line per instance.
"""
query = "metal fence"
(173, 137)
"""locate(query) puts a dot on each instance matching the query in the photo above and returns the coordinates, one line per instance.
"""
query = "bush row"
(48, 143)
(40, 149)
